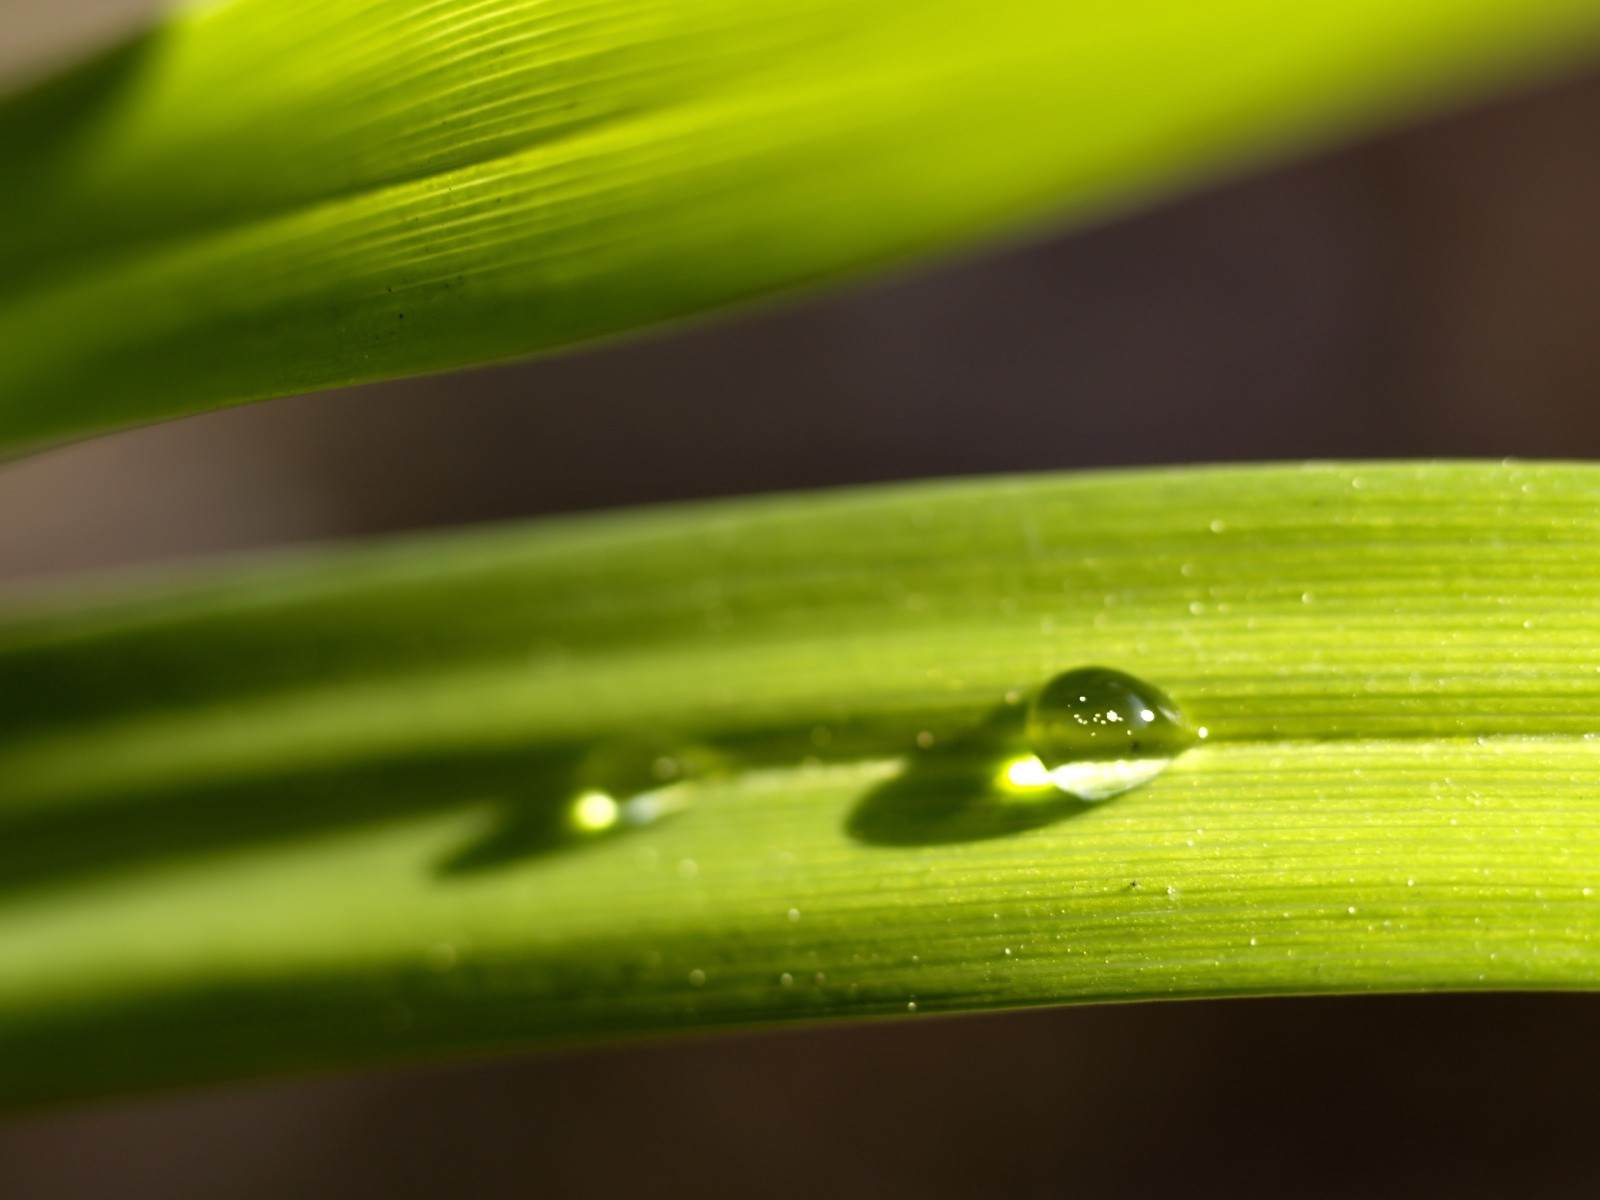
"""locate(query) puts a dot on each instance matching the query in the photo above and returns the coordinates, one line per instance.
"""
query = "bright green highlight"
(272, 196)
(343, 809)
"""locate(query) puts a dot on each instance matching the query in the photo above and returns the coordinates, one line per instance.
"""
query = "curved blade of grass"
(309, 813)
(270, 196)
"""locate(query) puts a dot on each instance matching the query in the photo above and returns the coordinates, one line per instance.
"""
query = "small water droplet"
(1097, 732)
(632, 784)
(911, 1006)
(786, 979)
(794, 914)
(925, 740)
(697, 977)
(688, 868)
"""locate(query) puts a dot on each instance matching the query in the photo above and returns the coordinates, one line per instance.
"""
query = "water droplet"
(911, 1006)
(1097, 732)
(794, 914)
(786, 980)
(697, 977)
(631, 784)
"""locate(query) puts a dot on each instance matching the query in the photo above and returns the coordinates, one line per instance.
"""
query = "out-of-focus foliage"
(269, 196)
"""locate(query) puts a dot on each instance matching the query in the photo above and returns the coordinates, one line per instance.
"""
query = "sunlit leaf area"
(609, 597)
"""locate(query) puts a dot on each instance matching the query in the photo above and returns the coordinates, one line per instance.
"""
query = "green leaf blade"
(397, 188)
(268, 820)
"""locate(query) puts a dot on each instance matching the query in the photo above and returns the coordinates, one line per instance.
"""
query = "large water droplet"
(1097, 732)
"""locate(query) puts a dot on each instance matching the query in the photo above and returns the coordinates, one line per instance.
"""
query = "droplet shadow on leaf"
(138, 830)
(525, 828)
(955, 791)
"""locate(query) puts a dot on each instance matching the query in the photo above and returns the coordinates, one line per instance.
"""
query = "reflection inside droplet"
(1089, 780)
(1024, 774)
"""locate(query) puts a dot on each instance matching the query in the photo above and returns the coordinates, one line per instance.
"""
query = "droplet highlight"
(594, 812)
(1097, 732)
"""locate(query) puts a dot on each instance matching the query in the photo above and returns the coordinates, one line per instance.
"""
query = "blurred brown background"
(1430, 292)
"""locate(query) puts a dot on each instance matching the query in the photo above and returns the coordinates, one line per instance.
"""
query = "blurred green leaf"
(271, 196)
(329, 809)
